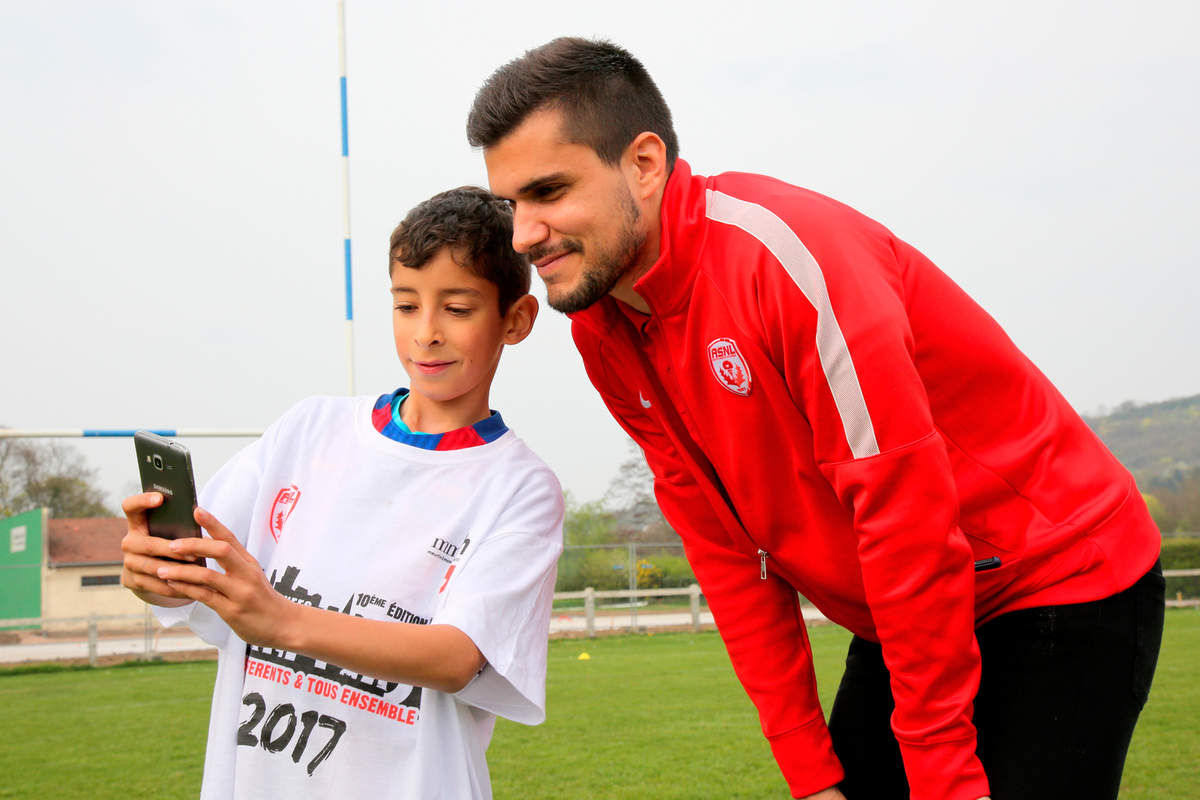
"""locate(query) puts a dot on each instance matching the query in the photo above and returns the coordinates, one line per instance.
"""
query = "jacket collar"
(667, 285)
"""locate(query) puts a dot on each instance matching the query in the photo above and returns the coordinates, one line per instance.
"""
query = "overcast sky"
(170, 196)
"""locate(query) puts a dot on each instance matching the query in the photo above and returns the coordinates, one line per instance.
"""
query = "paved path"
(106, 646)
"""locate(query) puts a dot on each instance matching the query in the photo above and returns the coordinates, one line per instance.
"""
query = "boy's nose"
(427, 332)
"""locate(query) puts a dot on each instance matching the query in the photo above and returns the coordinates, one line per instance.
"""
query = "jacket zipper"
(692, 457)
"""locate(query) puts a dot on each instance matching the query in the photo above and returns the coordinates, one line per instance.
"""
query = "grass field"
(658, 716)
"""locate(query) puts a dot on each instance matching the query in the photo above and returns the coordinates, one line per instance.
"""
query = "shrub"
(676, 572)
(1182, 553)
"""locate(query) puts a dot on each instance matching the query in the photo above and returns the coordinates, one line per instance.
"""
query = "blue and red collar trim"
(482, 432)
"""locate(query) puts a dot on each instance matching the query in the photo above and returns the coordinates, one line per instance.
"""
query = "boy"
(407, 545)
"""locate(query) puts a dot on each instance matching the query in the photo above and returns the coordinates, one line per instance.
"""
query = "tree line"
(37, 474)
(1174, 500)
(40, 474)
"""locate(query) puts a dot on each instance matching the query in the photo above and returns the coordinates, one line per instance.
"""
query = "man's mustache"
(544, 251)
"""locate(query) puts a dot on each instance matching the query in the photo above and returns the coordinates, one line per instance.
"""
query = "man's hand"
(144, 554)
(242, 596)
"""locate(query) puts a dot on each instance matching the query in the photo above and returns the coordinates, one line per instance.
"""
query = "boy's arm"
(439, 657)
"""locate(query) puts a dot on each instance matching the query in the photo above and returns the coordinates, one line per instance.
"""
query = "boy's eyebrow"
(454, 290)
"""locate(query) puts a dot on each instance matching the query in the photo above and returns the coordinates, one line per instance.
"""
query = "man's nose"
(529, 229)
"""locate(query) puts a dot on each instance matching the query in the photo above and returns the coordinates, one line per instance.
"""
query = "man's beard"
(601, 272)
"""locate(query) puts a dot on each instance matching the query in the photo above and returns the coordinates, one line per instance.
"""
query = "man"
(827, 413)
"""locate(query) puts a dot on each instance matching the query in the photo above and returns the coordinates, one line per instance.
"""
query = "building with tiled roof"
(78, 562)
(92, 541)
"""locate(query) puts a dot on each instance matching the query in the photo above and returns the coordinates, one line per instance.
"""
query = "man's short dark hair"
(605, 94)
(477, 226)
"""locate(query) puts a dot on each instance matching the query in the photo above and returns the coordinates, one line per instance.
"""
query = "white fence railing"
(142, 636)
(590, 596)
(1179, 601)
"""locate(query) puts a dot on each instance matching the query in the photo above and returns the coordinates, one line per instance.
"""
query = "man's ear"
(518, 320)
(646, 158)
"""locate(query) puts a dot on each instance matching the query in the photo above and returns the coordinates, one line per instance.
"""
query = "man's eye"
(547, 191)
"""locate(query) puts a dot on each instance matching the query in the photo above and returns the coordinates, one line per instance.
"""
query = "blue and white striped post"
(341, 7)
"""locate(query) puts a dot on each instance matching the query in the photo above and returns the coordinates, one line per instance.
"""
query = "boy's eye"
(405, 308)
(458, 311)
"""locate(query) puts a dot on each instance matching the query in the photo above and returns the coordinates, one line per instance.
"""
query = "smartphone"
(166, 467)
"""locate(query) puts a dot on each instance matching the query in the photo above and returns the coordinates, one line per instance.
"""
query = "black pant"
(1060, 691)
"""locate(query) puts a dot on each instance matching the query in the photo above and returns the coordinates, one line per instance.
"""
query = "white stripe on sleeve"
(805, 272)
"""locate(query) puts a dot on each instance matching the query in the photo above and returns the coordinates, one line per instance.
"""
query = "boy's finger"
(135, 507)
(139, 503)
(143, 564)
(147, 582)
(217, 530)
(144, 544)
(195, 549)
(198, 592)
(188, 573)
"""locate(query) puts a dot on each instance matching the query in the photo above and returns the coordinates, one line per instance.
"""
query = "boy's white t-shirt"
(342, 517)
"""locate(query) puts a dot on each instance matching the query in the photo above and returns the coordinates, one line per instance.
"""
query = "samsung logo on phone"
(162, 489)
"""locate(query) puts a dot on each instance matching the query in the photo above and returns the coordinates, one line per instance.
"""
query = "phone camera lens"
(158, 462)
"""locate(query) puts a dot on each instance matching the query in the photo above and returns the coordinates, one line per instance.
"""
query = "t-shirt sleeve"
(501, 596)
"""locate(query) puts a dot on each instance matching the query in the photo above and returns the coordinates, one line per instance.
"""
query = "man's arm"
(759, 620)
(439, 657)
(833, 310)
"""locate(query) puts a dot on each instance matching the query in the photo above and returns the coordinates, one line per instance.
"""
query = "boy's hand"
(241, 596)
(144, 554)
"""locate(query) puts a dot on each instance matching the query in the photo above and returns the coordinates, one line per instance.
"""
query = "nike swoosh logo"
(645, 402)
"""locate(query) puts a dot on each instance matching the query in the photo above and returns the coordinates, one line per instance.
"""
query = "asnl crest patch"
(728, 366)
(282, 508)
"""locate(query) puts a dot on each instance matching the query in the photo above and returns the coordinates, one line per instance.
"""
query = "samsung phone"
(166, 467)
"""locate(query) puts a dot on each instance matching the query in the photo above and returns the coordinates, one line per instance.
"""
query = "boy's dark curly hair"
(477, 226)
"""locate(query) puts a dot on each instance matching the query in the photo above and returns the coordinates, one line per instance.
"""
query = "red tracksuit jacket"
(825, 412)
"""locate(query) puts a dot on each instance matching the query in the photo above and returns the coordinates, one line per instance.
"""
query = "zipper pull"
(762, 564)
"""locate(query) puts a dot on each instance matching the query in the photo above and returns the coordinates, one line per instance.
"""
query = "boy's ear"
(518, 320)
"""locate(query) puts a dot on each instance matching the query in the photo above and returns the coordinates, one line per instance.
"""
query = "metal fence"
(633, 565)
(93, 636)
(1183, 587)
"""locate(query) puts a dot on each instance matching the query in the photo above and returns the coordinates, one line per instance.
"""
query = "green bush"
(569, 564)
(607, 568)
(676, 571)
(1182, 553)
(604, 568)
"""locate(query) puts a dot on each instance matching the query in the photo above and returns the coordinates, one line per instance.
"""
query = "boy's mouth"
(432, 367)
